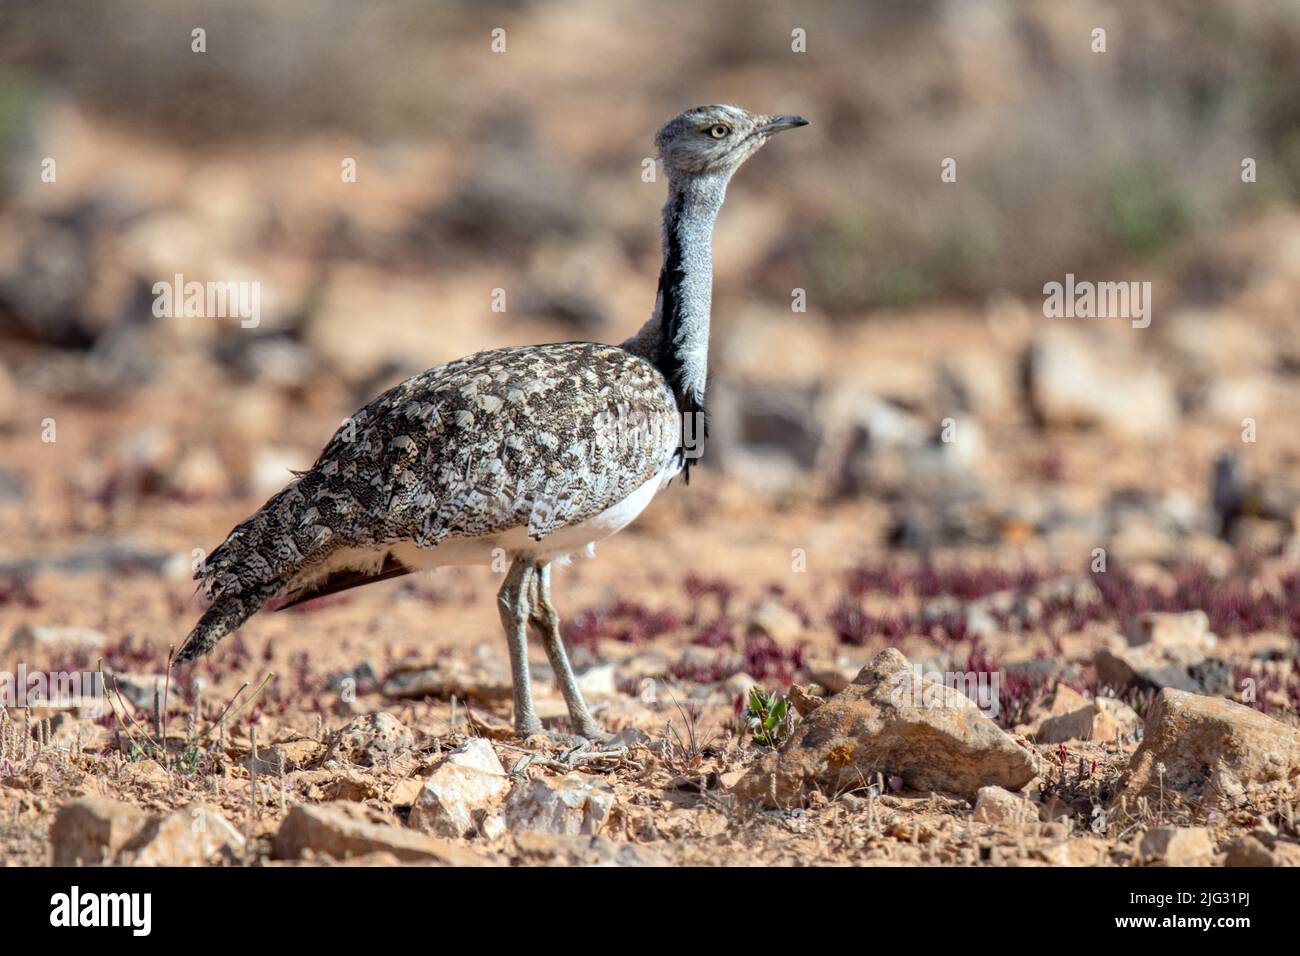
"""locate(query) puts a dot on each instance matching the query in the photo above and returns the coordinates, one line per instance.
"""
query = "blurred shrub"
(1068, 160)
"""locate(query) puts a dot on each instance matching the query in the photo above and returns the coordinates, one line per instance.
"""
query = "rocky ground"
(1133, 597)
(1093, 524)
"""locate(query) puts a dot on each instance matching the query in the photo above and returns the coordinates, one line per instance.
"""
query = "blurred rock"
(269, 359)
(13, 489)
(44, 638)
(831, 676)
(996, 805)
(114, 556)
(1043, 671)
(92, 831)
(1177, 846)
(289, 755)
(480, 682)
(739, 685)
(8, 395)
(199, 474)
(1071, 716)
(982, 383)
(196, 835)
(362, 679)
(1167, 631)
(273, 468)
(775, 620)
(597, 680)
(768, 436)
(1072, 382)
(1248, 850)
(140, 689)
(1149, 667)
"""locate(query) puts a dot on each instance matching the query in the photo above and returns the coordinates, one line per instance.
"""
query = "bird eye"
(719, 130)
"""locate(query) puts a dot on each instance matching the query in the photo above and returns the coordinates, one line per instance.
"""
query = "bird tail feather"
(258, 559)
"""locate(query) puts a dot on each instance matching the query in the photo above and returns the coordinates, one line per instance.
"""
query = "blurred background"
(522, 171)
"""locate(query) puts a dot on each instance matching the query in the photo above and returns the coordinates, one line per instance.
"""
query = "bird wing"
(541, 436)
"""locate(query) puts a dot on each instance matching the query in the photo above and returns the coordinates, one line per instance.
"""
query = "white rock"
(471, 780)
(573, 804)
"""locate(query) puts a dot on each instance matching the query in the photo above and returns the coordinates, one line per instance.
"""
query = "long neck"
(676, 338)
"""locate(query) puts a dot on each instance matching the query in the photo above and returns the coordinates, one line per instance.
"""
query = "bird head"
(717, 139)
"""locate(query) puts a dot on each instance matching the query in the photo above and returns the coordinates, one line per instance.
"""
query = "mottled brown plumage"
(529, 454)
(540, 437)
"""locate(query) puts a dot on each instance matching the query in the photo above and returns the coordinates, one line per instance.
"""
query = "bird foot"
(567, 741)
(555, 738)
(593, 733)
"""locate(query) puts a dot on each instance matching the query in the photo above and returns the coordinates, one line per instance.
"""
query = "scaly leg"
(512, 602)
(543, 616)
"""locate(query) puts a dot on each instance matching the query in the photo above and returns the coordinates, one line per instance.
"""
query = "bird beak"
(778, 123)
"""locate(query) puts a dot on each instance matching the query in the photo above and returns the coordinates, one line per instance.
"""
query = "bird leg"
(512, 602)
(547, 621)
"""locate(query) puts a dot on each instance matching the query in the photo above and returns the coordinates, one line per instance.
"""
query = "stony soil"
(718, 586)
(920, 461)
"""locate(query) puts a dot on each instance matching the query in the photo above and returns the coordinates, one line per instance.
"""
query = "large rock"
(1211, 750)
(91, 831)
(193, 836)
(470, 782)
(570, 805)
(336, 833)
(891, 721)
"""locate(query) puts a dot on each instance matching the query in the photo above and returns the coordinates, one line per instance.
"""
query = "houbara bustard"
(532, 453)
